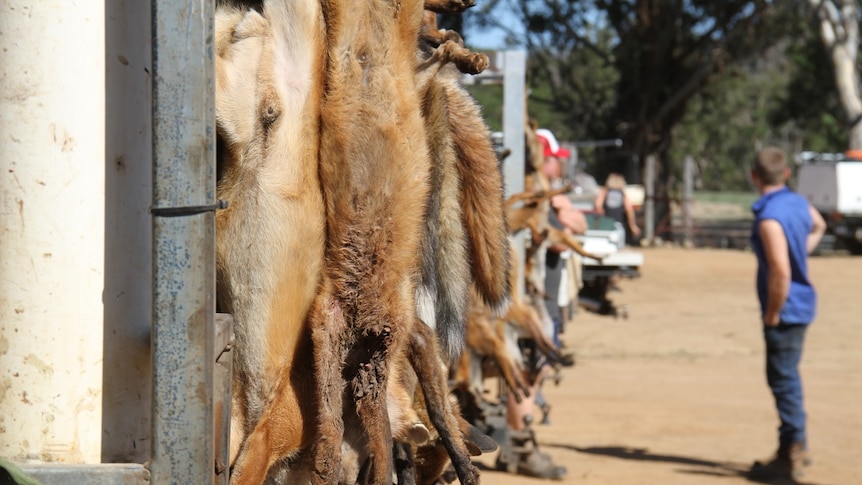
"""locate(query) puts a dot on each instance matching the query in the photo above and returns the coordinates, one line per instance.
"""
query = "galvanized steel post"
(183, 242)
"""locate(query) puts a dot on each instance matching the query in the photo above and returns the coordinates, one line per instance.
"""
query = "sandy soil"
(676, 394)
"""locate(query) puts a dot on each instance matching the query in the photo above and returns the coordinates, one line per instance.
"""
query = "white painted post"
(52, 210)
(514, 119)
(514, 124)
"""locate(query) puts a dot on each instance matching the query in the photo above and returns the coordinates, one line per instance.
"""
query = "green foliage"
(714, 79)
(490, 98)
(726, 122)
(809, 106)
(574, 92)
(784, 97)
(724, 205)
(744, 199)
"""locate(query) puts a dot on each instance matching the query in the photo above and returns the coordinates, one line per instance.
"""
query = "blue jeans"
(783, 353)
(558, 326)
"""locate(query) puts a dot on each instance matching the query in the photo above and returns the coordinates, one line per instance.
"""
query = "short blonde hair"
(615, 181)
(769, 166)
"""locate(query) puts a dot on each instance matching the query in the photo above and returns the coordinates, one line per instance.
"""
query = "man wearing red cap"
(563, 216)
(572, 219)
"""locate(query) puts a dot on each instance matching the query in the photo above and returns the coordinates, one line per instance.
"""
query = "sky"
(487, 38)
(494, 39)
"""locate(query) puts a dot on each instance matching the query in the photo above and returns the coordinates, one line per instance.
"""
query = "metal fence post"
(649, 208)
(687, 204)
(183, 449)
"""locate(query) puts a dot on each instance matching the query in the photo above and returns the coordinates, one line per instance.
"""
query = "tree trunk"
(839, 31)
(847, 82)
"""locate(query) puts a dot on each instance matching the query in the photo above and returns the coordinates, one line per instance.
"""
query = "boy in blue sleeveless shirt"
(786, 229)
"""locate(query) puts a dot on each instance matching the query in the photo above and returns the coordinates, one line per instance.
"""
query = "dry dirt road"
(677, 395)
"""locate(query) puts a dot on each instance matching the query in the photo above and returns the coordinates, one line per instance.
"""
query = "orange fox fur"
(434, 406)
(448, 6)
(445, 276)
(481, 197)
(454, 145)
(374, 164)
(324, 160)
(428, 461)
(533, 216)
(267, 111)
(462, 162)
(440, 46)
(483, 337)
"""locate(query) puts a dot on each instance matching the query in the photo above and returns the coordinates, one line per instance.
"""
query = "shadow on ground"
(691, 466)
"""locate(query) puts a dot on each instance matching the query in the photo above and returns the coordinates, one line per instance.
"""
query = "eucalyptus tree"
(839, 31)
(652, 56)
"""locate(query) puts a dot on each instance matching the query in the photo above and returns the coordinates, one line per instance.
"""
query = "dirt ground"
(676, 394)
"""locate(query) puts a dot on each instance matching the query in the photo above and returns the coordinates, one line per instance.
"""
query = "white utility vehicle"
(832, 182)
(606, 237)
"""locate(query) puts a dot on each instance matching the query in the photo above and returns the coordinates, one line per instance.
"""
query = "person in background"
(520, 415)
(612, 202)
(785, 231)
(563, 215)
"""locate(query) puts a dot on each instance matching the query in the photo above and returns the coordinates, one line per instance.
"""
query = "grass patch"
(735, 198)
(723, 205)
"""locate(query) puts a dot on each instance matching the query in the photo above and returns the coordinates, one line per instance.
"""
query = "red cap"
(550, 145)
